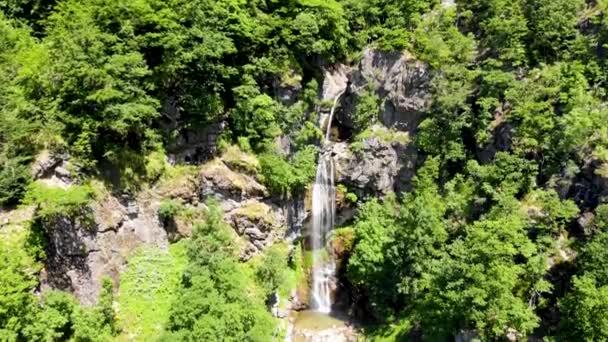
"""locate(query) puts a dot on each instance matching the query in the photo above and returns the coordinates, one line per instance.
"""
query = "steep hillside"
(303, 170)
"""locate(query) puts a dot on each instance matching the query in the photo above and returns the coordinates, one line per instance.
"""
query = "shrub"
(169, 209)
(53, 201)
(284, 177)
(367, 110)
(14, 179)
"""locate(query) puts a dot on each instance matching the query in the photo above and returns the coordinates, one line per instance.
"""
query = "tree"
(213, 302)
(479, 286)
(585, 310)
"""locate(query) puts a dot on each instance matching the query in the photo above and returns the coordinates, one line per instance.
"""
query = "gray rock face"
(258, 218)
(81, 253)
(378, 168)
(196, 144)
(53, 169)
(335, 81)
(400, 81)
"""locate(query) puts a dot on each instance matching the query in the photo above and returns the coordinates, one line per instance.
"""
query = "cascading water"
(323, 210)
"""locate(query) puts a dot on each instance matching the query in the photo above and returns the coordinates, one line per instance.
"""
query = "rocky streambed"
(312, 326)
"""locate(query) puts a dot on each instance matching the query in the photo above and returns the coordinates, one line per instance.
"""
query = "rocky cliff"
(81, 252)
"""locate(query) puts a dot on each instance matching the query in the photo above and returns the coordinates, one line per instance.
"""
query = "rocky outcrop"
(401, 83)
(257, 217)
(376, 167)
(196, 144)
(52, 169)
(259, 223)
(82, 250)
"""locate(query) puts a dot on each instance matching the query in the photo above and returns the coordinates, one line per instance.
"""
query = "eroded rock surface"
(377, 167)
(400, 81)
(82, 251)
(257, 217)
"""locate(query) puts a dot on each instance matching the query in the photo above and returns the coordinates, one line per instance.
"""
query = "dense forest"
(503, 234)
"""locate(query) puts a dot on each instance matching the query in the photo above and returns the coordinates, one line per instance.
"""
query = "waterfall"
(323, 210)
(331, 115)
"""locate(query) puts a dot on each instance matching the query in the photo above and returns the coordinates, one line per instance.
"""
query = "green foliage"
(255, 116)
(213, 301)
(16, 301)
(169, 209)
(585, 311)
(54, 315)
(476, 286)
(148, 290)
(52, 201)
(515, 141)
(384, 22)
(272, 271)
(439, 42)
(14, 179)
(285, 177)
(553, 27)
(396, 244)
(367, 111)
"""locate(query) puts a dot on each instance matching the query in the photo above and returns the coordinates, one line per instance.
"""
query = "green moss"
(255, 210)
(343, 240)
(236, 159)
(52, 201)
(147, 290)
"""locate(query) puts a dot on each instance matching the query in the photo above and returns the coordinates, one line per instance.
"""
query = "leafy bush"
(271, 273)
(15, 177)
(169, 209)
(214, 301)
(284, 177)
(367, 111)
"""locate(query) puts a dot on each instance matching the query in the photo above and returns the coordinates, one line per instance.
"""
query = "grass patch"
(255, 210)
(389, 332)
(236, 159)
(148, 289)
(385, 135)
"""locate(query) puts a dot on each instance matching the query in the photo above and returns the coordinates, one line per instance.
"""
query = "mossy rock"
(257, 211)
(224, 178)
(238, 160)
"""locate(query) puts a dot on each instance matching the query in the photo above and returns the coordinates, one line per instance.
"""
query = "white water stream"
(323, 211)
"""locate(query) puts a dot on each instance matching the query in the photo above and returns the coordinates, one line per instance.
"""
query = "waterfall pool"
(314, 326)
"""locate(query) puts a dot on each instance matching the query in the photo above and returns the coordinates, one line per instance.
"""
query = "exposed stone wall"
(400, 81)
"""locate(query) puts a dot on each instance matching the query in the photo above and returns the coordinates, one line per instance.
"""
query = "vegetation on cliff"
(503, 234)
